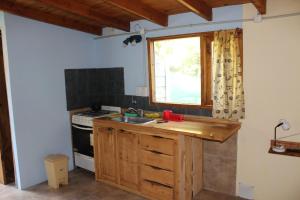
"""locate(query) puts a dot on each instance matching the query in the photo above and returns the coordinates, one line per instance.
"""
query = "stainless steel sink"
(133, 120)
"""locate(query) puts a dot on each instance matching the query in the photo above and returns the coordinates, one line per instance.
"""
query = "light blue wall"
(109, 52)
(1, 20)
(38, 53)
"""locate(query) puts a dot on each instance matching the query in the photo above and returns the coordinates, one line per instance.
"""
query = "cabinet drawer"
(157, 175)
(159, 144)
(157, 160)
(156, 190)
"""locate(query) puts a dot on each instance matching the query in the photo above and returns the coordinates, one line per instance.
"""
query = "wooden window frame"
(206, 39)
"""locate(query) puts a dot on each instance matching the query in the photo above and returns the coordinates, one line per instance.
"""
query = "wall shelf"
(286, 144)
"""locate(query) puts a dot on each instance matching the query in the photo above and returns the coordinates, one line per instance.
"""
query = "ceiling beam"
(140, 9)
(24, 11)
(85, 11)
(261, 6)
(199, 7)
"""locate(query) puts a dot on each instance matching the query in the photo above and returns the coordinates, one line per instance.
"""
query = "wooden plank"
(288, 145)
(2, 180)
(261, 6)
(203, 127)
(197, 148)
(24, 11)
(138, 8)
(188, 168)
(180, 174)
(6, 152)
(206, 69)
(199, 7)
(85, 11)
(96, 134)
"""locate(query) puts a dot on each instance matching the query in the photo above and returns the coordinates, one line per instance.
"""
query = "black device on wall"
(87, 87)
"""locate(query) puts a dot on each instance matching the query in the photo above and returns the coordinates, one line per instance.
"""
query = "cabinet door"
(107, 151)
(128, 158)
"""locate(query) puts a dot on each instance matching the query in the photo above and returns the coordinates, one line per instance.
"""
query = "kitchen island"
(156, 160)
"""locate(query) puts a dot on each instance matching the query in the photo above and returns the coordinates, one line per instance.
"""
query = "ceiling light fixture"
(133, 40)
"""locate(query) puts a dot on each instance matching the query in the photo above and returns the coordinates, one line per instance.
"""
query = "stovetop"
(86, 118)
(94, 113)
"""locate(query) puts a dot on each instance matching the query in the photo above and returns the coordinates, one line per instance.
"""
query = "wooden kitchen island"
(156, 160)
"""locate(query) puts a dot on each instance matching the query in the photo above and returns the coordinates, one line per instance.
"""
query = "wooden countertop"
(201, 127)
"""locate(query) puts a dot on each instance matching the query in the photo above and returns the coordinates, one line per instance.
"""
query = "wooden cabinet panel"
(157, 175)
(128, 174)
(159, 144)
(156, 190)
(155, 159)
(107, 155)
(127, 145)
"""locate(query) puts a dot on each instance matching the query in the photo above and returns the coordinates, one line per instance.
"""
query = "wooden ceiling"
(92, 15)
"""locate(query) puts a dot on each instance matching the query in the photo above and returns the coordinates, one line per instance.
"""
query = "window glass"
(177, 71)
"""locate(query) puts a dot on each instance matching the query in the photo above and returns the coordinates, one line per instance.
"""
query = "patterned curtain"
(228, 91)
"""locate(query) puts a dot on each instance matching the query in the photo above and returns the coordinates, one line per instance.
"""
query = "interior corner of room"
(177, 99)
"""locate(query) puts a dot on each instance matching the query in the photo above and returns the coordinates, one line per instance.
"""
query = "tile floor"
(83, 187)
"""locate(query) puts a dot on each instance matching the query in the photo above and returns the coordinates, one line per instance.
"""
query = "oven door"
(82, 140)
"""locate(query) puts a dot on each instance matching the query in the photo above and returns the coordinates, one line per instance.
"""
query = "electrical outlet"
(142, 91)
(246, 191)
(133, 101)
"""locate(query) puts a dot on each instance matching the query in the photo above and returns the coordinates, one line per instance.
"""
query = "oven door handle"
(82, 128)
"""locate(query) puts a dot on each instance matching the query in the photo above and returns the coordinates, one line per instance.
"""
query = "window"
(180, 70)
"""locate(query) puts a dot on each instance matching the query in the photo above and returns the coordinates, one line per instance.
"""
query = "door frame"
(6, 150)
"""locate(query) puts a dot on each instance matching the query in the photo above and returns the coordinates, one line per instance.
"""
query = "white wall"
(272, 86)
(109, 52)
(38, 53)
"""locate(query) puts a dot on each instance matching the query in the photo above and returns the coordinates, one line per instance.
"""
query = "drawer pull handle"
(110, 129)
(155, 183)
(157, 168)
(122, 131)
(156, 136)
(156, 152)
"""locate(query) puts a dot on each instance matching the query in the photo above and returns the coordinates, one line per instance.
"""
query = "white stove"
(86, 118)
(82, 135)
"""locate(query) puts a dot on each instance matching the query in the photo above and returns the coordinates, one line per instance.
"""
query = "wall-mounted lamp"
(133, 40)
(284, 124)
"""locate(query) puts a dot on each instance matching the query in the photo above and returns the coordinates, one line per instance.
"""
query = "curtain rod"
(199, 24)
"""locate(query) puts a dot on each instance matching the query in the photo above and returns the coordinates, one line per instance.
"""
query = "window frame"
(206, 39)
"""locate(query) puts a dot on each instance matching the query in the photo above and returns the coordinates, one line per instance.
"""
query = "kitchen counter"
(201, 127)
(156, 160)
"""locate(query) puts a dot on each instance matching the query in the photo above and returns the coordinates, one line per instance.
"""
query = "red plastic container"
(167, 114)
(177, 117)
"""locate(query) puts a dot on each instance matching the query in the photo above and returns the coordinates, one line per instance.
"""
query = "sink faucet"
(140, 112)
